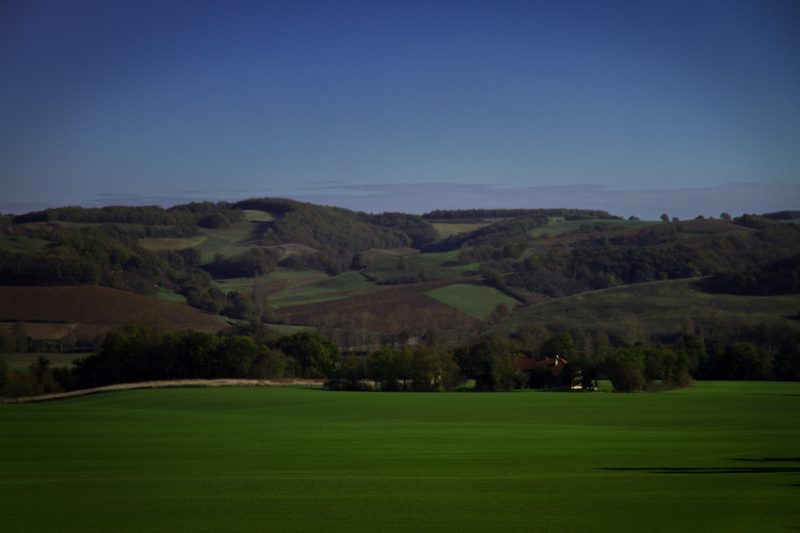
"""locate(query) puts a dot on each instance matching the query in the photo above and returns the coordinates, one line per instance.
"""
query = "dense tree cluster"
(204, 214)
(336, 233)
(481, 214)
(655, 254)
(778, 277)
(253, 262)
(138, 352)
(419, 230)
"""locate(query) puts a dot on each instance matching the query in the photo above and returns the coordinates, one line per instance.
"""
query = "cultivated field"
(91, 309)
(386, 307)
(715, 457)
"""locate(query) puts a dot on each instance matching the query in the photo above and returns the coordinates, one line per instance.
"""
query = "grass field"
(170, 296)
(715, 457)
(659, 306)
(253, 215)
(474, 298)
(158, 244)
(19, 244)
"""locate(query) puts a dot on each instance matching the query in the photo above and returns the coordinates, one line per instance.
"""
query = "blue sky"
(637, 107)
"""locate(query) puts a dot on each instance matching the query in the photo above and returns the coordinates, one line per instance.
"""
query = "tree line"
(491, 362)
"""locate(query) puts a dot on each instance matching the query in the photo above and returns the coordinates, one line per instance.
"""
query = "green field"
(448, 229)
(19, 244)
(474, 299)
(253, 215)
(158, 244)
(716, 457)
(329, 288)
(659, 306)
(170, 296)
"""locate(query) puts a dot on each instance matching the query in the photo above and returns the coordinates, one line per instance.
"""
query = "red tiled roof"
(527, 363)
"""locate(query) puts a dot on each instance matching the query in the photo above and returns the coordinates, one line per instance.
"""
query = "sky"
(637, 107)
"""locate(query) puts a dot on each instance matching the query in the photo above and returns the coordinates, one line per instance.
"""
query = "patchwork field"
(385, 308)
(716, 457)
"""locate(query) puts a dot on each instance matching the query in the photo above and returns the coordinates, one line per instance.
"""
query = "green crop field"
(474, 299)
(328, 288)
(715, 457)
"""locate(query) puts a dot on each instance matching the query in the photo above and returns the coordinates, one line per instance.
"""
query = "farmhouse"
(546, 372)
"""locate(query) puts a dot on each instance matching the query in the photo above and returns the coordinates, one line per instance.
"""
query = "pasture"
(715, 457)
(473, 298)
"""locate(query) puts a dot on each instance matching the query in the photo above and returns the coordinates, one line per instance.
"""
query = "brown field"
(91, 309)
(386, 309)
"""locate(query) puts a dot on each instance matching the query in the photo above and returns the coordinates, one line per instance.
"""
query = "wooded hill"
(279, 261)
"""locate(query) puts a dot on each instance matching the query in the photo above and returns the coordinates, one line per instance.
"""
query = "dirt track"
(170, 384)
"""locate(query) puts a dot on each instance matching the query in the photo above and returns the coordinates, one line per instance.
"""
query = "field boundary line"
(163, 384)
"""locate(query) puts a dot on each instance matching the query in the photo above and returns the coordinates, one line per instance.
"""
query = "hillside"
(636, 312)
(278, 261)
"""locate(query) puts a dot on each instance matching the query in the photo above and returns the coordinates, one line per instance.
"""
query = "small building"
(537, 370)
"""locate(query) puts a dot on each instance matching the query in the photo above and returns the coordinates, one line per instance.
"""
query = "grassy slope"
(657, 306)
(717, 457)
(157, 244)
(232, 240)
(19, 244)
(475, 299)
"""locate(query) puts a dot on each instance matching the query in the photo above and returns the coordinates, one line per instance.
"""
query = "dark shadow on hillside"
(710, 470)
(772, 460)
